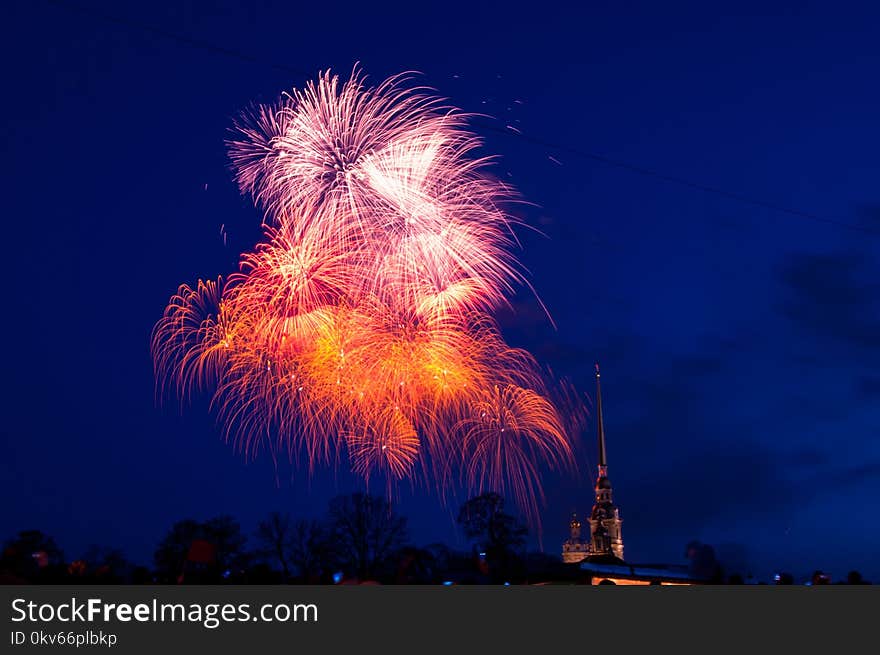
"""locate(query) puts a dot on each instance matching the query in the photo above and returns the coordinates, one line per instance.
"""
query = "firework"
(362, 325)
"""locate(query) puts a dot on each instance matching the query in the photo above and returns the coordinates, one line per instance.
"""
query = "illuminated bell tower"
(574, 549)
(605, 534)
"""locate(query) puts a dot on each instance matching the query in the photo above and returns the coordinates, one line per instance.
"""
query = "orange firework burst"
(363, 323)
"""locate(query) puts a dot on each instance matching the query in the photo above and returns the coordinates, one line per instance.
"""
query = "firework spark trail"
(363, 324)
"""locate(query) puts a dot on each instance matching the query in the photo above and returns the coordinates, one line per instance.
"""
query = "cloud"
(854, 475)
(832, 296)
(741, 480)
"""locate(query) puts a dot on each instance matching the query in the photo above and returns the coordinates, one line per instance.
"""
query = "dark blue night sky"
(740, 345)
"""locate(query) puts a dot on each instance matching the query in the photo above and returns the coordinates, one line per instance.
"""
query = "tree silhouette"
(33, 556)
(302, 548)
(484, 520)
(419, 565)
(106, 565)
(854, 577)
(312, 552)
(702, 562)
(201, 552)
(275, 536)
(172, 551)
(224, 533)
(366, 533)
(498, 534)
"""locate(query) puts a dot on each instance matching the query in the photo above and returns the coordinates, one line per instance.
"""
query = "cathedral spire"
(603, 463)
(605, 533)
(606, 539)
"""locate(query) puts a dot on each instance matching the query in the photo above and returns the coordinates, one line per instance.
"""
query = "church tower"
(574, 549)
(606, 538)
